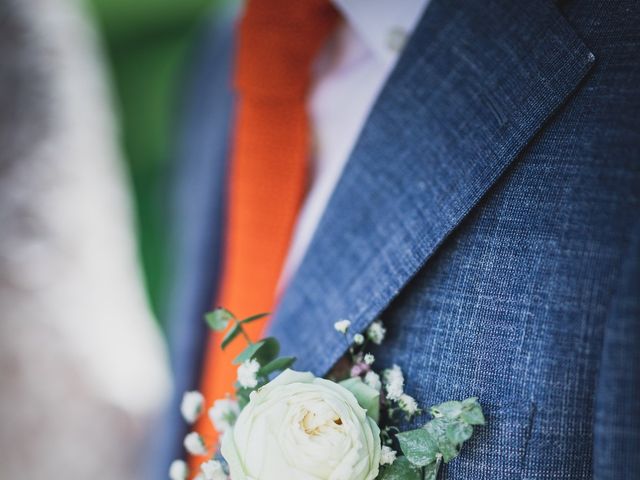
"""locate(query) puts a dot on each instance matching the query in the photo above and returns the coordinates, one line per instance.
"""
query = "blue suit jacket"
(489, 215)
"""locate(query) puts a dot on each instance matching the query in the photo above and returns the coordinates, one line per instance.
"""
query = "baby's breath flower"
(373, 380)
(223, 414)
(358, 339)
(393, 382)
(376, 332)
(342, 326)
(408, 404)
(199, 476)
(194, 444)
(369, 359)
(212, 470)
(387, 455)
(247, 373)
(178, 470)
(191, 406)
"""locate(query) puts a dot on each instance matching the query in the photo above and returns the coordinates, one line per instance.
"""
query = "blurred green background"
(148, 45)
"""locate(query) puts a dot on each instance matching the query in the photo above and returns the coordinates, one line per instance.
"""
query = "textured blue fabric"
(617, 421)
(486, 214)
(489, 214)
(198, 198)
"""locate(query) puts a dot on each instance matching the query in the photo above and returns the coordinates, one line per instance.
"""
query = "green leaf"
(441, 438)
(231, 334)
(451, 409)
(263, 351)
(268, 351)
(253, 318)
(401, 469)
(248, 353)
(437, 428)
(459, 432)
(368, 398)
(473, 416)
(276, 365)
(419, 446)
(470, 402)
(431, 470)
(218, 319)
(243, 395)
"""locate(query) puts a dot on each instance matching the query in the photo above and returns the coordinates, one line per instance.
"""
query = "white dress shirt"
(351, 71)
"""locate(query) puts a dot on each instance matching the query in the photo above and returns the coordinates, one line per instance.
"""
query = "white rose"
(304, 428)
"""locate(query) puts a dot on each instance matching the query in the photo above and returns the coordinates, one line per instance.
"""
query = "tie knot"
(278, 41)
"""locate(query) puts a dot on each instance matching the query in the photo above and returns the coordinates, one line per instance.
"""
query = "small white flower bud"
(372, 379)
(358, 339)
(194, 444)
(212, 470)
(369, 359)
(393, 382)
(247, 373)
(178, 470)
(387, 455)
(342, 326)
(191, 406)
(376, 332)
(223, 414)
(408, 404)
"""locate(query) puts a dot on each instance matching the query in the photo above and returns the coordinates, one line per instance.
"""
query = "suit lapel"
(474, 85)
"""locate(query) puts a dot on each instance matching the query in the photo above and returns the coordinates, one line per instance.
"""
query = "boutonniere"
(287, 424)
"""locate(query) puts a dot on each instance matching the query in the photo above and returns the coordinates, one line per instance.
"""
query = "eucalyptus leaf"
(277, 365)
(401, 469)
(441, 438)
(248, 353)
(231, 334)
(449, 451)
(253, 318)
(451, 409)
(437, 429)
(459, 432)
(368, 398)
(431, 470)
(243, 396)
(419, 446)
(268, 351)
(470, 402)
(473, 416)
(218, 319)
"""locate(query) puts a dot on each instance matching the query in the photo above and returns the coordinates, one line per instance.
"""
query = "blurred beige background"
(83, 367)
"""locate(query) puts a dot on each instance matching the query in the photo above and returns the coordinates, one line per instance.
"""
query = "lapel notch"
(474, 85)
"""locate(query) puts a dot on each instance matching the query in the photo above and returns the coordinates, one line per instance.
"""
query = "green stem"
(244, 334)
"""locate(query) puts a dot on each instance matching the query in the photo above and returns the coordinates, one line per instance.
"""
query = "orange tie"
(278, 40)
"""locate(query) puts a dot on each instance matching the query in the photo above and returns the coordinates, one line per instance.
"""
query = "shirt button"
(396, 39)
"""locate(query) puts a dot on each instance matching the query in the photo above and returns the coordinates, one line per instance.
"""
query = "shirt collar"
(383, 25)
